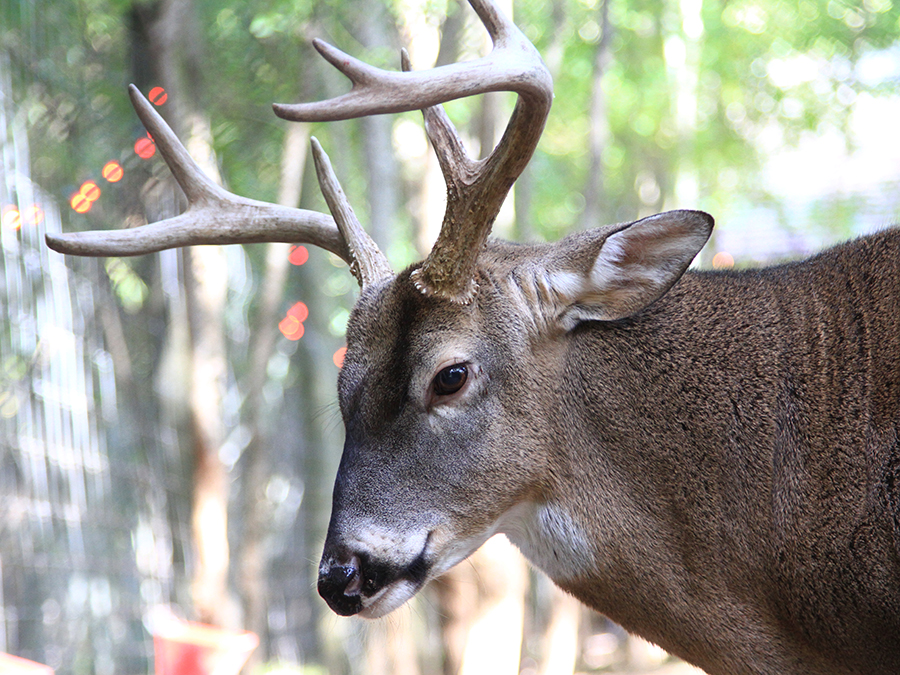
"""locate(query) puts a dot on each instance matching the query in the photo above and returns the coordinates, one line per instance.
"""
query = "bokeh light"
(145, 147)
(90, 190)
(158, 96)
(80, 203)
(112, 171)
(299, 311)
(33, 215)
(338, 357)
(291, 327)
(84, 199)
(723, 261)
(298, 255)
(11, 219)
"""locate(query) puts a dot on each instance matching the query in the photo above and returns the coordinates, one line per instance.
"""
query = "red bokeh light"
(291, 327)
(338, 357)
(298, 255)
(145, 147)
(158, 96)
(90, 190)
(112, 171)
(299, 311)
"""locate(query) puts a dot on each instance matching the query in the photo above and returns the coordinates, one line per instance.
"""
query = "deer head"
(449, 386)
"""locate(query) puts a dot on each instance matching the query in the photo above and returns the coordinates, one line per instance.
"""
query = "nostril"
(355, 577)
(345, 578)
(340, 585)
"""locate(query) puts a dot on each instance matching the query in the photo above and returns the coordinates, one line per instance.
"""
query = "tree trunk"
(255, 512)
(206, 281)
(377, 32)
(561, 637)
(596, 211)
(174, 42)
(483, 608)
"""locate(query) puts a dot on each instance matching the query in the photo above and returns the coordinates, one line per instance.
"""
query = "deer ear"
(613, 276)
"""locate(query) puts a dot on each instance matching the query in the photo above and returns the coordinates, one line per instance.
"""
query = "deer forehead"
(397, 320)
(397, 338)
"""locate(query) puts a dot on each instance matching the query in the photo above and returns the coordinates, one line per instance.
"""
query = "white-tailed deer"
(710, 459)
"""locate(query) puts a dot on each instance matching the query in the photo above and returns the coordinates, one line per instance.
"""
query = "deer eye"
(450, 380)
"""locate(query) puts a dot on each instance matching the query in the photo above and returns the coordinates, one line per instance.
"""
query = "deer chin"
(388, 599)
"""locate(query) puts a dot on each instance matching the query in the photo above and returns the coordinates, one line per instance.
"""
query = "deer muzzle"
(358, 582)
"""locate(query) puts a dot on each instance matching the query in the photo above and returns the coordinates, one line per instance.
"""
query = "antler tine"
(369, 263)
(475, 189)
(213, 216)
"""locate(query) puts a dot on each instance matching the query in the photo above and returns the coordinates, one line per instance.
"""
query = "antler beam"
(513, 65)
(475, 189)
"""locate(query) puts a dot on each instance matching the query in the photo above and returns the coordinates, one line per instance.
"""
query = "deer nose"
(340, 584)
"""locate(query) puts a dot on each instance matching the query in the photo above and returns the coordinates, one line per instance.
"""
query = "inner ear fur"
(612, 273)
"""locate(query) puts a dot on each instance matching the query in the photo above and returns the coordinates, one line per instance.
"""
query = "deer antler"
(475, 189)
(216, 216)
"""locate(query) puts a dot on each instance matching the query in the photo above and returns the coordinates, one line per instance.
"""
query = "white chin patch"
(388, 599)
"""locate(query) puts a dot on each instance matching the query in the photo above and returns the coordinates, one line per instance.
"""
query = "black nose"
(340, 585)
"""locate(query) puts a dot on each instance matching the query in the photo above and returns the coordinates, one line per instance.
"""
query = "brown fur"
(731, 451)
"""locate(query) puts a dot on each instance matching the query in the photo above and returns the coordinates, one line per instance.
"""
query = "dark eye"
(450, 380)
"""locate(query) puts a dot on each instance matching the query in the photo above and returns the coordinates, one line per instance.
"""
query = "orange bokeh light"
(90, 190)
(723, 261)
(80, 203)
(112, 171)
(291, 327)
(298, 255)
(145, 147)
(158, 96)
(11, 218)
(338, 357)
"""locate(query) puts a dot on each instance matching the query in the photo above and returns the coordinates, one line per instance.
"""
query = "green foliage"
(128, 286)
(68, 71)
(689, 87)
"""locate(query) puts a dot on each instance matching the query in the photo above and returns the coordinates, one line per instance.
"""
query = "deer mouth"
(364, 585)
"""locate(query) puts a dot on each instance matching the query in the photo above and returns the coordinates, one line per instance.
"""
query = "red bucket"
(13, 665)
(188, 648)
